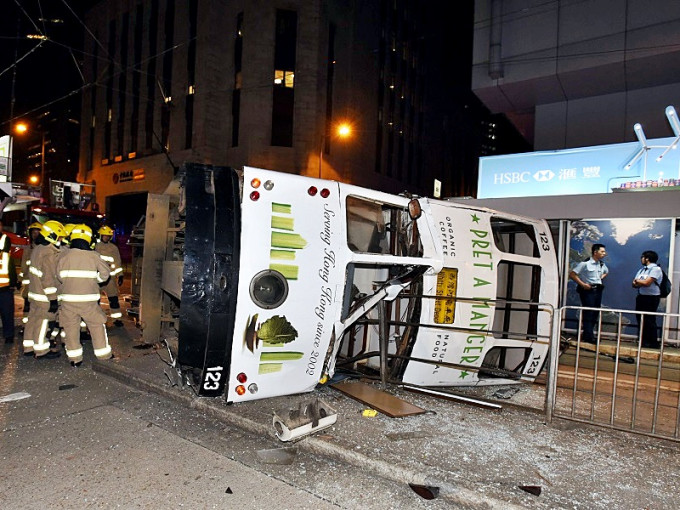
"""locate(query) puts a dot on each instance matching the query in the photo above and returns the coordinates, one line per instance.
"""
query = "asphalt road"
(83, 440)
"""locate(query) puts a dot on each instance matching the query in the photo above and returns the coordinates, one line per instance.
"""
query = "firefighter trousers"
(70, 315)
(35, 332)
(111, 290)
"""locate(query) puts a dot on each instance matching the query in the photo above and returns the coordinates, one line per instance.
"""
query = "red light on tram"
(312, 191)
(255, 195)
(325, 192)
(242, 378)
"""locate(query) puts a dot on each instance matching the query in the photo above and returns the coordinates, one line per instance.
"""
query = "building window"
(109, 90)
(191, 73)
(236, 94)
(151, 76)
(122, 85)
(329, 87)
(167, 73)
(284, 78)
(136, 76)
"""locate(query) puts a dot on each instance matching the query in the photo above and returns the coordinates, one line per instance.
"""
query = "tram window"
(514, 237)
(375, 227)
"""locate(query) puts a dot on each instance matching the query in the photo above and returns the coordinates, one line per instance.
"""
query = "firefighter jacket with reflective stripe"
(111, 255)
(4, 261)
(80, 273)
(42, 278)
(25, 264)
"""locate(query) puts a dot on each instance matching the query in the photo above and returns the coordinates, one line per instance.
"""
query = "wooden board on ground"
(392, 406)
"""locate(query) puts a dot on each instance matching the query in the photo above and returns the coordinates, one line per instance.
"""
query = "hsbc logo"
(511, 177)
(544, 175)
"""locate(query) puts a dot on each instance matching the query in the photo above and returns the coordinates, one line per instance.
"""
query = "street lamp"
(342, 130)
(22, 128)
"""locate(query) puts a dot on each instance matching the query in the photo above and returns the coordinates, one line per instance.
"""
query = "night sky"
(47, 73)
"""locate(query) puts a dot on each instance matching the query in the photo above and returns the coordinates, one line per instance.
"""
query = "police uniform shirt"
(645, 272)
(591, 271)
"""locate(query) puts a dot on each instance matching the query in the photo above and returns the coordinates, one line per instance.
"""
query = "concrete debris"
(506, 393)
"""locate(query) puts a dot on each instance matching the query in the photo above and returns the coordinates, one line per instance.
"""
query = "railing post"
(554, 353)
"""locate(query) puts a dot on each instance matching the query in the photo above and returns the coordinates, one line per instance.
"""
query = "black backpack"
(665, 285)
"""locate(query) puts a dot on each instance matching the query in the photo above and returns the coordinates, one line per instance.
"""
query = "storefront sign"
(585, 170)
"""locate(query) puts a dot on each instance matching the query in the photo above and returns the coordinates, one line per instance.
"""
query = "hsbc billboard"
(585, 170)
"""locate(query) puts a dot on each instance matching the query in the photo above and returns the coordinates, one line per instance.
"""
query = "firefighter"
(33, 233)
(110, 254)
(8, 281)
(42, 291)
(80, 272)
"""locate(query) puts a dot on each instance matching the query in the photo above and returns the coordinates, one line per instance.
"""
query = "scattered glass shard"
(281, 456)
(15, 396)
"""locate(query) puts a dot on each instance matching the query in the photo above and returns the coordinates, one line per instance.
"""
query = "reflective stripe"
(50, 290)
(28, 262)
(82, 232)
(79, 298)
(62, 334)
(100, 279)
(116, 315)
(25, 282)
(42, 344)
(34, 270)
(78, 273)
(116, 271)
(75, 353)
(103, 351)
(3, 280)
(24, 320)
(107, 258)
(82, 324)
(28, 343)
(38, 297)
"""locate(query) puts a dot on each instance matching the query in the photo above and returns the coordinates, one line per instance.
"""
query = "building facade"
(572, 74)
(262, 83)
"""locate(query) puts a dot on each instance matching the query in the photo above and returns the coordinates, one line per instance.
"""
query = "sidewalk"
(478, 458)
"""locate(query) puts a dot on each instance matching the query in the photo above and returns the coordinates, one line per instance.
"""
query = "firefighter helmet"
(52, 231)
(81, 232)
(35, 225)
(105, 231)
(69, 228)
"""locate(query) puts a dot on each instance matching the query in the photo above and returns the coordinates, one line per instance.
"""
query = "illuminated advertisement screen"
(587, 170)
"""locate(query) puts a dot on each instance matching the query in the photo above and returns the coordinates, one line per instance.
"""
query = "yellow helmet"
(105, 231)
(35, 225)
(69, 228)
(52, 231)
(81, 232)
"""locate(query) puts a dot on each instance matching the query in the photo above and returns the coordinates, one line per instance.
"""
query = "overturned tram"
(266, 283)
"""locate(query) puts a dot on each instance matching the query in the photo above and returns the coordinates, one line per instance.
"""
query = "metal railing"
(615, 382)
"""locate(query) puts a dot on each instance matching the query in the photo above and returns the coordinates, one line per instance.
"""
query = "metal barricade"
(615, 382)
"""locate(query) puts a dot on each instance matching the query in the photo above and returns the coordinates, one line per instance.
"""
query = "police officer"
(33, 233)
(80, 272)
(42, 291)
(111, 255)
(588, 275)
